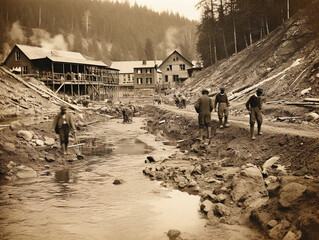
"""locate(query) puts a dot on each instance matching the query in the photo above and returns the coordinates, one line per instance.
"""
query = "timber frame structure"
(65, 71)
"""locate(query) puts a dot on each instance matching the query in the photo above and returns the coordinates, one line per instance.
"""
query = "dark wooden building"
(69, 71)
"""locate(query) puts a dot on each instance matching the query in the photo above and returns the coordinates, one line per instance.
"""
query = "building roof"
(128, 66)
(36, 53)
(77, 61)
(175, 51)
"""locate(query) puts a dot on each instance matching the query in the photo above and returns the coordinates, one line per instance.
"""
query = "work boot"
(201, 134)
(225, 122)
(259, 130)
(252, 133)
(63, 148)
(209, 132)
(221, 123)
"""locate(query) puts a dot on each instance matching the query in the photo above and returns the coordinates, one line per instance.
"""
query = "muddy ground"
(233, 177)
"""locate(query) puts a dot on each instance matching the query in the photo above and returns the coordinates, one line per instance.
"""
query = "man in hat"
(204, 106)
(223, 104)
(63, 122)
(253, 105)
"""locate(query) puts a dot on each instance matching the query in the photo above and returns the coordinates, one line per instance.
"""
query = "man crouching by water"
(62, 124)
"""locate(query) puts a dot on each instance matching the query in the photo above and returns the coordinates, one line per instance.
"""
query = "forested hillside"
(99, 29)
(229, 26)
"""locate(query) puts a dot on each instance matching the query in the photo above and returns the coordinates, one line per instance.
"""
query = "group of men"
(204, 106)
(180, 101)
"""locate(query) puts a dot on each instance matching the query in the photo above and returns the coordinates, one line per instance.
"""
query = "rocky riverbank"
(237, 181)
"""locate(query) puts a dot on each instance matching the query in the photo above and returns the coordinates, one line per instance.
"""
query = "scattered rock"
(220, 210)
(49, 158)
(11, 165)
(291, 236)
(271, 161)
(39, 143)
(290, 194)
(150, 159)
(49, 141)
(312, 116)
(206, 206)
(23, 172)
(15, 125)
(279, 231)
(305, 91)
(10, 147)
(272, 223)
(221, 198)
(173, 234)
(118, 181)
(26, 135)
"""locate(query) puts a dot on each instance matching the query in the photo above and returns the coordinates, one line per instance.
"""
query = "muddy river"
(81, 201)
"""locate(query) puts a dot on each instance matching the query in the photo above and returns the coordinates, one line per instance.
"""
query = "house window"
(139, 81)
(25, 70)
(148, 70)
(129, 77)
(148, 80)
(175, 78)
(139, 71)
(169, 68)
(166, 78)
(182, 66)
(17, 55)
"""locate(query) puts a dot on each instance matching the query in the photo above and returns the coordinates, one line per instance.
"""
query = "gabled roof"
(175, 51)
(128, 66)
(78, 61)
(36, 53)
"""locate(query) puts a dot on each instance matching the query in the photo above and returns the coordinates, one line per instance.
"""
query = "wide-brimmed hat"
(204, 91)
(259, 90)
(64, 107)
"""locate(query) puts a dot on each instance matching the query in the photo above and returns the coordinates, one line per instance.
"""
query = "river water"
(81, 201)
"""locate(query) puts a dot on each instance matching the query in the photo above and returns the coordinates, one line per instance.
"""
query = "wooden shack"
(65, 71)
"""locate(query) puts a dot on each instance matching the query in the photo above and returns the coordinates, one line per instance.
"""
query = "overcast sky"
(185, 8)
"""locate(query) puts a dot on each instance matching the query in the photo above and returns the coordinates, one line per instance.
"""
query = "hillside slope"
(283, 63)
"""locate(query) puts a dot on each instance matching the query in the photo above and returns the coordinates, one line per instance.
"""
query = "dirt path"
(268, 126)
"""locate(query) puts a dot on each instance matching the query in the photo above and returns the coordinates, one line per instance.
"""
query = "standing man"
(63, 122)
(204, 106)
(253, 105)
(223, 104)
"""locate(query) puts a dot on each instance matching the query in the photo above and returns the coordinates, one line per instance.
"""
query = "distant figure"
(62, 124)
(182, 101)
(176, 99)
(223, 104)
(204, 106)
(253, 105)
(79, 76)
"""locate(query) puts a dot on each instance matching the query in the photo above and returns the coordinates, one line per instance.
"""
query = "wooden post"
(77, 68)
(52, 68)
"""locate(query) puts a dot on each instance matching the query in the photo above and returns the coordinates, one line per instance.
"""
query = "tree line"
(100, 29)
(228, 26)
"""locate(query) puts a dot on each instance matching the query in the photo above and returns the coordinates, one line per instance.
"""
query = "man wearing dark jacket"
(204, 106)
(223, 104)
(253, 105)
(62, 124)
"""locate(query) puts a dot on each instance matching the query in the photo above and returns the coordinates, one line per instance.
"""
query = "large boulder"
(290, 194)
(206, 206)
(23, 172)
(279, 231)
(26, 135)
(248, 186)
(270, 162)
(173, 234)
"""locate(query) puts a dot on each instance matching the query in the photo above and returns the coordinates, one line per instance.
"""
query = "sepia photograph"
(159, 119)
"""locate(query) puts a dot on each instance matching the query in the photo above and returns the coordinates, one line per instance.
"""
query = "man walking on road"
(62, 124)
(223, 104)
(253, 105)
(204, 106)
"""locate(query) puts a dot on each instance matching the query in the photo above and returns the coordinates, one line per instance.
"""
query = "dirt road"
(268, 126)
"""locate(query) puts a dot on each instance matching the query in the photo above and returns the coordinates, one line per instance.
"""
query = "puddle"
(127, 146)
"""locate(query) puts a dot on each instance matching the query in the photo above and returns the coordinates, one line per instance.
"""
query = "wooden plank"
(311, 100)
(39, 90)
